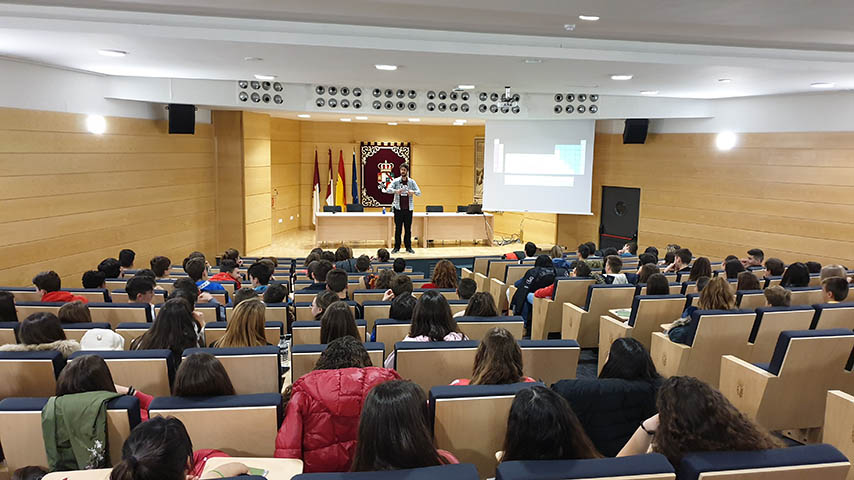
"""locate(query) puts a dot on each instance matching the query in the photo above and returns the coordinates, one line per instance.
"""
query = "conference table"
(377, 226)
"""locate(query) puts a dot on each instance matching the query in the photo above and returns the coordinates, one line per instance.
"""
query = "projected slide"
(547, 169)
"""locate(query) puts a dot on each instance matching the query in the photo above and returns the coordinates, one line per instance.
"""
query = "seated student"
(530, 251)
(828, 271)
(111, 268)
(629, 250)
(401, 308)
(481, 304)
(94, 279)
(8, 312)
(669, 258)
(657, 284)
(702, 282)
(363, 265)
(813, 267)
(732, 268)
(835, 289)
(581, 270)
(645, 258)
(259, 274)
(140, 289)
(498, 361)
(796, 275)
(681, 262)
(747, 281)
(542, 426)
(245, 293)
(201, 375)
(400, 285)
(317, 272)
(275, 293)
(466, 288)
(328, 256)
(245, 328)
(612, 275)
(174, 329)
(74, 312)
(431, 322)
(582, 254)
(383, 280)
(540, 276)
(344, 259)
(717, 295)
(399, 265)
(126, 258)
(161, 266)
(444, 275)
(394, 431)
(227, 273)
(198, 273)
(556, 252)
(160, 449)
(322, 415)
(337, 321)
(321, 302)
(778, 296)
(609, 251)
(382, 255)
(755, 257)
(611, 407)
(232, 254)
(39, 332)
(646, 271)
(146, 272)
(89, 373)
(694, 417)
(48, 285)
(336, 282)
(702, 267)
(652, 251)
(774, 267)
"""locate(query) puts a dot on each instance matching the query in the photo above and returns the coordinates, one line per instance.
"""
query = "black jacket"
(534, 279)
(348, 265)
(610, 409)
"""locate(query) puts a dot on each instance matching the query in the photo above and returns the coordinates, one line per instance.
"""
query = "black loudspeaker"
(635, 131)
(182, 118)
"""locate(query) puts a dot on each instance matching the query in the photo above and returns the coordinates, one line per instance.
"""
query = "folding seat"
(750, 299)
(29, 374)
(647, 315)
(549, 360)
(251, 369)
(689, 287)
(116, 313)
(362, 296)
(272, 332)
(471, 421)
(833, 315)
(466, 272)
(462, 471)
(93, 295)
(389, 331)
(95, 474)
(430, 364)
(130, 331)
(791, 391)
(639, 467)
(717, 333)
(413, 275)
(498, 268)
(113, 284)
(304, 357)
(498, 288)
(149, 371)
(121, 296)
(839, 423)
(166, 284)
(769, 323)
(772, 281)
(308, 333)
(546, 312)
(458, 306)
(815, 280)
(211, 312)
(373, 311)
(239, 425)
(448, 293)
(21, 430)
(807, 295)
(481, 264)
(9, 332)
(582, 324)
(25, 309)
(23, 294)
(813, 462)
(355, 284)
(476, 327)
(482, 282)
(75, 331)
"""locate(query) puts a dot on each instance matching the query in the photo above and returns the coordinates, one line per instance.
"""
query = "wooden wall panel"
(790, 194)
(228, 129)
(285, 161)
(256, 180)
(71, 199)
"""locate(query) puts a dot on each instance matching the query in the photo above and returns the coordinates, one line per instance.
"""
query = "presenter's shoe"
(395, 251)
(409, 250)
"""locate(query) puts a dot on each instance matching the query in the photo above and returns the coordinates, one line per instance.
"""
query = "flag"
(341, 182)
(355, 182)
(330, 200)
(315, 192)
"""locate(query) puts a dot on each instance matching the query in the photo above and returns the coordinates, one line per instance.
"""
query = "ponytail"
(158, 449)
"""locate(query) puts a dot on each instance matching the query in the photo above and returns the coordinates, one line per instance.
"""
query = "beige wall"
(791, 194)
(256, 180)
(285, 151)
(228, 131)
(71, 199)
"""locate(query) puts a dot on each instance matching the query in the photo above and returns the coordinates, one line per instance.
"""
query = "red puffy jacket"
(322, 418)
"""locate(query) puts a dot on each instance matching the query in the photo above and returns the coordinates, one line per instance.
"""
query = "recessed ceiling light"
(724, 80)
(460, 120)
(588, 18)
(532, 61)
(465, 87)
(361, 118)
(649, 92)
(725, 140)
(621, 77)
(268, 78)
(392, 123)
(414, 120)
(389, 68)
(112, 53)
(569, 27)
(252, 59)
(304, 115)
(822, 85)
(96, 124)
(346, 119)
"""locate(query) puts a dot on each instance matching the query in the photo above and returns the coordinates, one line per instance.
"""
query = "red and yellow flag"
(340, 183)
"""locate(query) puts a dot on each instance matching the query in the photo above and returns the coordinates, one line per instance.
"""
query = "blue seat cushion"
(760, 313)
(374, 303)
(548, 343)
(133, 325)
(265, 350)
(462, 471)
(369, 346)
(223, 401)
(435, 345)
(516, 318)
(785, 336)
(692, 465)
(85, 326)
(649, 464)
(53, 356)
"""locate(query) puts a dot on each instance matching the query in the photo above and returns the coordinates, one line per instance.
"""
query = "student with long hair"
(173, 329)
(647, 270)
(322, 414)
(432, 321)
(8, 312)
(321, 302)
(444, 275)
(657, 284)
(717, 295)
(796, 275)
(394, 431)
(337, 321)
(747, 281)
(245, 328)
(702, 267)
(89, 373)
(481, 304)
(732, 268)
(39, 332)
(498, 361)
(542, 426)
(629, 360)
(201, 375)
(694, 417)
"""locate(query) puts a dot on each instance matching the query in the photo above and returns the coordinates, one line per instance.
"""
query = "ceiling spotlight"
(96, 124)
(361, 118)
(460, 120)
(649, 92)
(621, 77)
(569, 27)
(589, 18)
(532, 61)
(414, 120)
(265, 77)
(725, 140)
(392, 123)
(252, 59)
(465, 87)
(304, 115)
(458, 124)
(112, 53)
(388, 68)
(724, 80)
(346, 119)
(822, 85)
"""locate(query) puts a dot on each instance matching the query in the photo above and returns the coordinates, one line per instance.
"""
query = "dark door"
(619, 219)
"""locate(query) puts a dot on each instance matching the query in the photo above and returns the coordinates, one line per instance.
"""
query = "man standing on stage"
(403, 189)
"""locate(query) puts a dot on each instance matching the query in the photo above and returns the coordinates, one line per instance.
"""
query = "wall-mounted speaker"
(182, 118)
(635, 130)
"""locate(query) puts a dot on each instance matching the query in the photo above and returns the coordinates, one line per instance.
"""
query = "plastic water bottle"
(284, 352)
(383, 210)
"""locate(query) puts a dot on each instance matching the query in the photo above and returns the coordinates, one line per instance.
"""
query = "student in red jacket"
(322, 417)
(48, 285)
(227, 273)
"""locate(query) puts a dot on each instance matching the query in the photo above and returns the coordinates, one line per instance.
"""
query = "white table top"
(279, 468)
(390, 214)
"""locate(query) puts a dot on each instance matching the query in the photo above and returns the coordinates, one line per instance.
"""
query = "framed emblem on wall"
(380, 165)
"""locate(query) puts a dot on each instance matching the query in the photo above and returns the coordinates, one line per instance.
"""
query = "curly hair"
(444, 275)
(695, 417)
(343, 352)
